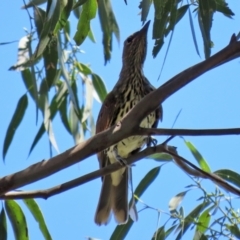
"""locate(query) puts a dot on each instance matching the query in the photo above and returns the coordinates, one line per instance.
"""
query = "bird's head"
(135, 48)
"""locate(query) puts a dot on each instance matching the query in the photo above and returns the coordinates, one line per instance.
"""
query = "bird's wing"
(159, 116)
(105, 120)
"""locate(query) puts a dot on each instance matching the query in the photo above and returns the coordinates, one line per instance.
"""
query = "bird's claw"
(151, 142)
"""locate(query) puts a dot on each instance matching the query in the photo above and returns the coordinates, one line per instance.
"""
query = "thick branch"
(127, 127)
(83, 179)
(184, 164)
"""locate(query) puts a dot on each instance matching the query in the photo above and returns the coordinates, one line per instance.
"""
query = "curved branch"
(181, 162)
(83, 179)
(127, 127)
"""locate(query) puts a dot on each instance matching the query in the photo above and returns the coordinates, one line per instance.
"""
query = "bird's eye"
(129, 40)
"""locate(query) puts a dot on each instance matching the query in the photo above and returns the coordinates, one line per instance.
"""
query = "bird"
(130, 88)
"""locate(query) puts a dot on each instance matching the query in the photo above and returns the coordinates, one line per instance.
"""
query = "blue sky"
(211, 101)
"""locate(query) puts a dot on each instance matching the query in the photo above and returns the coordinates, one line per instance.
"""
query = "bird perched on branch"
(131, 87)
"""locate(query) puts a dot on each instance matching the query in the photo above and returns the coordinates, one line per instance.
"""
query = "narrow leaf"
(159, 234)
(145, 6)
(109, 26)
(233, 228)
(3, 225)
(15, 122)
(203, 221)
(193, 32)
(28, 81)
(89, 10)
(197, 155)
(222, 6)
(43, 100)
(230, 176)
(83, 68)
(161, 157)
(17, 220)
(205, 18)
(57, 100)
(190, 218)
(99, 86)
(74, 123)
(66, 9)
(37, 214)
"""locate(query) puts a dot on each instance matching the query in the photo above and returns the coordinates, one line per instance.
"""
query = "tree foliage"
(53, 76)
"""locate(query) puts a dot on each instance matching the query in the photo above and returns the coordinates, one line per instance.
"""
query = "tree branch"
(83, 179)
(127, 127)
(184, 164)
(187, 132)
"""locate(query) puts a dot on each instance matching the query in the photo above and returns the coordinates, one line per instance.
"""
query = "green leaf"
(28, 81)
(75, 92)
(121, 230)
(161, 157)
(57, 100)
(63, 113)
(83, 68)
(162, 11)
(17, 220)
(3, 225)
(203, 221)
(146, 181)
(169, 231)
(99, 86)
(91, 35)
(44, 105)
(167, 15)
(39, 19)
(230, 176)
(48, 26)
(109, 26)
(222, 6)
(37, 214)
(66, 31)
(159, 234)
(233, 228)
(68, 80)
(15, 122)
(89, 10)
(66, 8)
(190, 218)
(193, 32)
(205, 18)
(145, 6)
(197, 155)
(175, 17)
(74, 123)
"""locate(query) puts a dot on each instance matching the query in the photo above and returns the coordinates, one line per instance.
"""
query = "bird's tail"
(113, 198)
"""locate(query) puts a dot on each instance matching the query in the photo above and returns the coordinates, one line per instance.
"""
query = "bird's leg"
(151, 141)
(120, 159)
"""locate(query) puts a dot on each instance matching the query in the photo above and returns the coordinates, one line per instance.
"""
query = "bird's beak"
(145, 28)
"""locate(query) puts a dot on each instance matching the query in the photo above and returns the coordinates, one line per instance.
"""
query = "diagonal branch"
(181, 162)
(193, 170)
(127, 127)
(83, 179)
